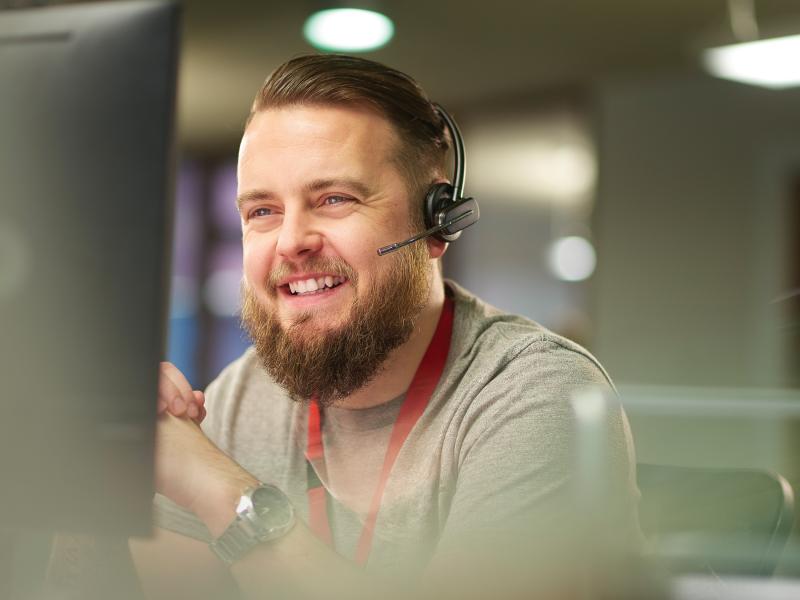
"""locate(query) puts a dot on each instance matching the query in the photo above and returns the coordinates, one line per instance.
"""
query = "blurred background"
(581, 119)
(630, 199)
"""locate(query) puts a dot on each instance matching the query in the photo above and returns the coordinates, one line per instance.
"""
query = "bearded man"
(385, 421)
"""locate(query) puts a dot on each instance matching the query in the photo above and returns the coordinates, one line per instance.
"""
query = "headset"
(447, 212)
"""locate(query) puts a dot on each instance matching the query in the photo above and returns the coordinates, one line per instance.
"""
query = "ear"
(436, 247)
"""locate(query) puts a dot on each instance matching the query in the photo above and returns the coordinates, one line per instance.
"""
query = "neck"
(401, 365)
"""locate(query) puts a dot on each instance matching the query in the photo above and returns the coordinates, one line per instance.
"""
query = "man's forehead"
(327, 122)
(319, 142)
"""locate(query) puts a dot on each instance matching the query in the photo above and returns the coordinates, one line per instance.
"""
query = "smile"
(314, 285)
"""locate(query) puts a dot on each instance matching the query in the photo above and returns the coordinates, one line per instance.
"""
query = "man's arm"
(170, 566)
(195, 474)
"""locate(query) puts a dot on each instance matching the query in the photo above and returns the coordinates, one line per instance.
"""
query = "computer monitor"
(87, 96)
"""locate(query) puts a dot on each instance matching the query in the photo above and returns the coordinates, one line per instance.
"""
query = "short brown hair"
(335, 79)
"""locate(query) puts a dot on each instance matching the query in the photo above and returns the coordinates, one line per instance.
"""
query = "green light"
(348, 30)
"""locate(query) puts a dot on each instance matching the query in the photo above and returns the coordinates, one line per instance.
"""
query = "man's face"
(318, 194)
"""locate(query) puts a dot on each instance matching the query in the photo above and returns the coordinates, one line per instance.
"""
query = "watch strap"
(234, 542)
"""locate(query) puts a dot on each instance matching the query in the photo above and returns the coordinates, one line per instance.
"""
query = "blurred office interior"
(630, 200)
(590, 120)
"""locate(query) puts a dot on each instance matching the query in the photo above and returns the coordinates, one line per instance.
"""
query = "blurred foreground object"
(85, 175)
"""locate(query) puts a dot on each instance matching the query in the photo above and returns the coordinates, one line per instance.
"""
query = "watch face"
(264, 514)
(271, 506)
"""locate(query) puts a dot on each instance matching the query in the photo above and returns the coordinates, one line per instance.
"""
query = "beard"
(330, 364)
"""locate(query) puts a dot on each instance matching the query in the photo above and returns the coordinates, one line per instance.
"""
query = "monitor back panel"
(86, 119)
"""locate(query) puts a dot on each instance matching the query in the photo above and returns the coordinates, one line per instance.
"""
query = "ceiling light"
(772, 63)
(572, 258)
(348, 30)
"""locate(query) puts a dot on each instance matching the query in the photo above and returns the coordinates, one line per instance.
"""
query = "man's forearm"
(197, 475)
(297, 565)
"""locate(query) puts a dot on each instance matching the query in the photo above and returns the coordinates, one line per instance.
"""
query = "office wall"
(691, 226)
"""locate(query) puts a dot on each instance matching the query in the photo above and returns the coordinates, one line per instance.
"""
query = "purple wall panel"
(223, 201)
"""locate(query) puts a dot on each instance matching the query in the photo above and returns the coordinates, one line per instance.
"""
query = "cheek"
(256, 258)
(346, 240)
(397, 228)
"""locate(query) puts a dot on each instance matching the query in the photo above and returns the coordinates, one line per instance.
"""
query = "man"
(336, 158)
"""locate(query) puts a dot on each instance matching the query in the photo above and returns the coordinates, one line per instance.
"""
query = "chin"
(310, 323)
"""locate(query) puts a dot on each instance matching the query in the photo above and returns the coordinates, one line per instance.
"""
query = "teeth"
(312, 285)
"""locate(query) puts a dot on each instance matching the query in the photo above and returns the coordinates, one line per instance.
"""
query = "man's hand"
(175, 395)
(190, 470)
(195, 474)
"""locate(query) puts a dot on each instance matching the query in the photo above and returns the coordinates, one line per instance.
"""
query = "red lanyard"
(417, 397)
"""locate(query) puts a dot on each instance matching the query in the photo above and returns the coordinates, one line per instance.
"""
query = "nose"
(297, 237)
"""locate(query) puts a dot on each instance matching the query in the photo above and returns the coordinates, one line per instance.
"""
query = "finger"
(170, 396)
(192, 411)
(199, 406)
(177, 378)
(178, 406)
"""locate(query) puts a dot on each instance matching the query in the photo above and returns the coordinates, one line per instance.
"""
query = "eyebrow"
(355, 185)
(359, 187)
(252, 196)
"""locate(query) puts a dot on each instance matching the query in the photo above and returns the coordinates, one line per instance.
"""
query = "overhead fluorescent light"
(772, 63)
(348, 30)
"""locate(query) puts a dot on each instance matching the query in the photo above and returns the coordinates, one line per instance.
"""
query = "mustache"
(328, 264)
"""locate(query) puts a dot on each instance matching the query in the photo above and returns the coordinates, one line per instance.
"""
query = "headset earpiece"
(444, 202)
(438, 196)
(440, 208)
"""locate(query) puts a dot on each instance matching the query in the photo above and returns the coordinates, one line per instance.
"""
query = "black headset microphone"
(447, 212)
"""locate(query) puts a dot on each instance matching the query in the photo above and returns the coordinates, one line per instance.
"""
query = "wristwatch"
(264, 513)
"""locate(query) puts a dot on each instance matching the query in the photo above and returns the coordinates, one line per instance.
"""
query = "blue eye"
(335, 200)
(259, 212)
